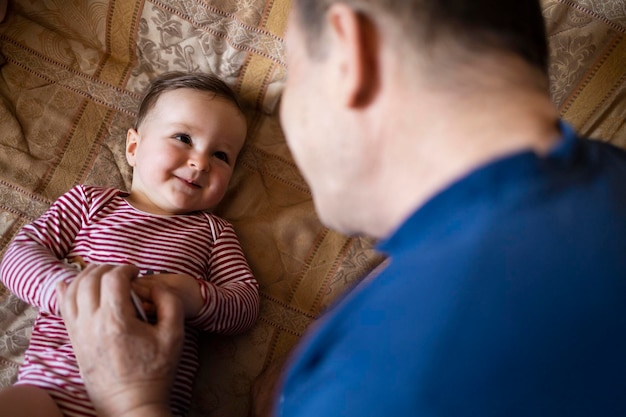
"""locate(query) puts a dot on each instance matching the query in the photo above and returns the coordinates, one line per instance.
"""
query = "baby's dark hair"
(174, 80)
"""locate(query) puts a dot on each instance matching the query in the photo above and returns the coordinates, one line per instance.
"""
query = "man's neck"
(443, 139)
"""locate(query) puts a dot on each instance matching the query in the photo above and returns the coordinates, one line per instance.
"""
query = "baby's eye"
(183, 138)
(221, 155)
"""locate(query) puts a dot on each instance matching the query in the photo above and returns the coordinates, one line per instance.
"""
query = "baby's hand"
(184, 286)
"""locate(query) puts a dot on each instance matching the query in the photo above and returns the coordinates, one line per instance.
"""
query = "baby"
(183, 147)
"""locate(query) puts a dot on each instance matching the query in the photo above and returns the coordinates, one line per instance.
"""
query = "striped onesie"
(97, 225)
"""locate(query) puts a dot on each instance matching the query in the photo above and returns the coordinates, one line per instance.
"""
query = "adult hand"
(128, 365)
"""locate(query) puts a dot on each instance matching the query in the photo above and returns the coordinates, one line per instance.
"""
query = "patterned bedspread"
(70, 77)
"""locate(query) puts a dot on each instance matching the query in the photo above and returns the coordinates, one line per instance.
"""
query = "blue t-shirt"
(504, 295)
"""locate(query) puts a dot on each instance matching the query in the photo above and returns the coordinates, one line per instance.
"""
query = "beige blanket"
(70, 80)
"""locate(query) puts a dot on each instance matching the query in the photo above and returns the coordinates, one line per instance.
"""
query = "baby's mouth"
(190, 182)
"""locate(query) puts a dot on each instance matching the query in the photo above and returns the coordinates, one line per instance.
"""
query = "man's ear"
(355, 50)
(132, 140)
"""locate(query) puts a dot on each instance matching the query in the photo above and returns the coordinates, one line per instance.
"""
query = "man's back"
(504, 295)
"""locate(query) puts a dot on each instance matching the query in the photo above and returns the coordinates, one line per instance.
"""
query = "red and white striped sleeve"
(33, 262)
(231, 294)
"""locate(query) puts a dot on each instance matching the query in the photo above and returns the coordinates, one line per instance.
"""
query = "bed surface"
(70, 77)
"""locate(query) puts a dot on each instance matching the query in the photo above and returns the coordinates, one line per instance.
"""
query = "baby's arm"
(231, 295)
(32, 264)
(226, 302)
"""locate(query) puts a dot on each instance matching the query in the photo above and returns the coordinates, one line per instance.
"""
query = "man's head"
(380, 92)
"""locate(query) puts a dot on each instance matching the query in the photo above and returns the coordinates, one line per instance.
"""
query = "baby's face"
(184, 152)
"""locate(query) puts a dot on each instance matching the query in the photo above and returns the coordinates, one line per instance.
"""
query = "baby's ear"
(132, 140)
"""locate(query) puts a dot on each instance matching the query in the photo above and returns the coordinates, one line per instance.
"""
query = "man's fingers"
(116, 287)
(85, 292)
(87, 285)
(69, 294)
(169, 310)
(66, 299)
